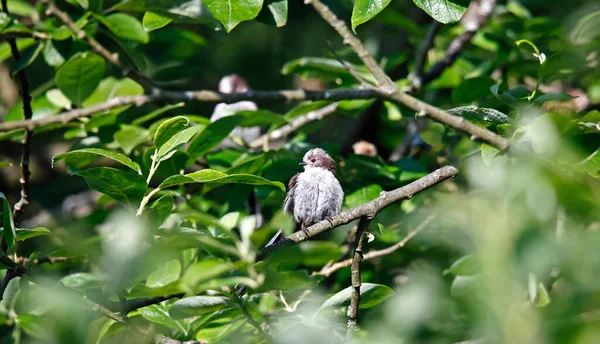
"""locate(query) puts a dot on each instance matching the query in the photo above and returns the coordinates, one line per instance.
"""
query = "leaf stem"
(145, 201)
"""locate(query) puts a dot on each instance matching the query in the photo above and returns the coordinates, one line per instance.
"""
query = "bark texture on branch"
(355, 273)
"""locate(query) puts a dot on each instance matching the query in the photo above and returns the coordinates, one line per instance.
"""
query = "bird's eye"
(313, 159)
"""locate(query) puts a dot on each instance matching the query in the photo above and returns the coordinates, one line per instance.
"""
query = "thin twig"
(192, 96)
(355, 274)
(484, 9)
(389, 90)
(328, 270)
(28, 113)
(421, 55)
(42, 260)
(369, 209)
(98, 48)
(297, 123)
(349, 68)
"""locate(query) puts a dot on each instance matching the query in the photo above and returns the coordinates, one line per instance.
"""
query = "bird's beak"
(302, 164)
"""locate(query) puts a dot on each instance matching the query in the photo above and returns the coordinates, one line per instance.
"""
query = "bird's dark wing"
(288, 204)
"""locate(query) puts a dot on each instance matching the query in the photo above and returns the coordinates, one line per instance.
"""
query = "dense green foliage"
(142, 202)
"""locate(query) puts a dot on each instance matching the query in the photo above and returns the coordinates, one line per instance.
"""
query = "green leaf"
(124, 186)
(160, 209)
(489, 154)
(79, 77)
(260, 117)
(9, 235)
(197, 305)
(465, 266)
(33, 326)
(5, 164)
(365, 10)
(538, 294)
(363, 195)
(176, 142)
(169, 128)
(212, 135)
(125, 26)
(472, 89)
(153, 21)
(274, 12)
(56, 97)
(464, 285)
(52, 56)
(205, 270)
(158, 314)
(481, 115)
(130, 136)
(83, 281)
(562, 97)
(164, 274)
(215, 177)
(370, 295)
(444, 11)
(27, 58)
(180, 9)
(83, 3)
(24, 234)
(77, 157)
(563, 65)
(586, 29)
(232, 12)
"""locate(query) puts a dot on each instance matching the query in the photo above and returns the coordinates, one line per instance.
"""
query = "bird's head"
(318, 157)
(233, 84)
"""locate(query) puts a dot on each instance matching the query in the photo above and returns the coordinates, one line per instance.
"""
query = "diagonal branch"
(192, 96)
(369, 209)
(421, 55)
(28, 113)
(389, 90)
(297, 123)
(98, 48)
(330, 269)
(476, 17)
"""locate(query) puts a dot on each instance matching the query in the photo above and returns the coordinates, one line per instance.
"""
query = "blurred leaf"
(365, 10)
(363, 195)
(586, 29)
(153, 21)
(164, 274)
(216, 177)
(9, 235)
(124, 186)
(79, 77)
(40, 106)
(5, 163)
(274, 12)
(130, 136)
(489, 154)
(233, 12)
(110, 88)
(159, 315)
(33, 326)
(27, 58)
(537, 292)
(465, 266)
(205, 270)
(317, 254)
(197, 305)
(481, 115)
(562, 65)
(260, 117)
(444, 11)
(56, 97)
(393, 112)
(552, 97)
(82, 157)
(84, 281)
(22, 43)
(124, 26)
(464, 285)
(370, 295)
(472, 89)
(175, 142)
(212, 135)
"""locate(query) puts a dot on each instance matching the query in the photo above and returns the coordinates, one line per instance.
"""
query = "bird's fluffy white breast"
(318, 195)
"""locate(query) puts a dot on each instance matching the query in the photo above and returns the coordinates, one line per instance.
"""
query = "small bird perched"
(315, 194)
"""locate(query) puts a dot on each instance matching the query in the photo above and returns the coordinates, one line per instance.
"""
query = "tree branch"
(190, 96)
(10, 274)
(330, 269)
(389, 90)
(98, 48)
(28, 113)
(482, 10)
(421, 55)
(369, 209)
(355, 276)
(298, 123)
